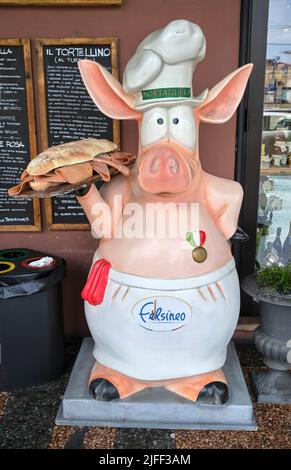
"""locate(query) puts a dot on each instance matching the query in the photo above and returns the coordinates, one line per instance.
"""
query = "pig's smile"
(165, 169)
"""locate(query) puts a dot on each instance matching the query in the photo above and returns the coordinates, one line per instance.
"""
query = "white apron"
(156, 329)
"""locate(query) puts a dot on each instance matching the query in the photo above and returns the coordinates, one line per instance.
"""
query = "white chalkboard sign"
(67, 112)
(17, 134)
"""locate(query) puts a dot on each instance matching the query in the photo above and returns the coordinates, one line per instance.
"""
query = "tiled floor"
(27, 421)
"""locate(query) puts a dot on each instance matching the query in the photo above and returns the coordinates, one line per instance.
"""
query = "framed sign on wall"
(67, 112)
(17, 134)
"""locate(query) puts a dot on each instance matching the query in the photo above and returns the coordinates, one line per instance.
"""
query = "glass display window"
(273, 238)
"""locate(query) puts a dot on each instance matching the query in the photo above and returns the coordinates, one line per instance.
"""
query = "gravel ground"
(28, 418)
(145, 439)
(27, 421)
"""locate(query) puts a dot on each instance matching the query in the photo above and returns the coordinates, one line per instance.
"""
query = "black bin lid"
(15, 265)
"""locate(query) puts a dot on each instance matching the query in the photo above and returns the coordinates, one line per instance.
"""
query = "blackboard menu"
(67, 111)
(17, 134)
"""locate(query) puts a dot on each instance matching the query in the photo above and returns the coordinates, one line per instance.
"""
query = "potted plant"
(271, 287)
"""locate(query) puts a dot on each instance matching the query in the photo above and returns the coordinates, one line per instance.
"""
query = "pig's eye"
(154, 126)
(182, 127)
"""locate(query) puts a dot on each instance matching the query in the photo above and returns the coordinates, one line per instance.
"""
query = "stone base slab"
(155, 407)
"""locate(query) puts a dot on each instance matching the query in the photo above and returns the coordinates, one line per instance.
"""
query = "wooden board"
(71, 3)
(17, 134)
(67, 112)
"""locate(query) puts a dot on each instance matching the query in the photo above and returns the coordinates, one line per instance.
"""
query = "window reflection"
(274, 209)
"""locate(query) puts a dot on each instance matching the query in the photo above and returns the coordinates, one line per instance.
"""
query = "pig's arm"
(223, 200)
(89, 200)
(103, 214)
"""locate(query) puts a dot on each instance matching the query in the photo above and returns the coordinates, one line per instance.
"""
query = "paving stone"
(60, 436)
(4, 397)
(99, 438)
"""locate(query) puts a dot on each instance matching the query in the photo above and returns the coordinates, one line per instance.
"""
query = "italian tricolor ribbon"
(196, 238)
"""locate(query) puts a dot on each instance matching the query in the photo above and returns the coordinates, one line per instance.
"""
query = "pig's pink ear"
(106, 92)
(224, 98)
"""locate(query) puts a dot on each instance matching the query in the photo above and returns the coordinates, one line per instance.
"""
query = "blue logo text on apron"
(162, 313)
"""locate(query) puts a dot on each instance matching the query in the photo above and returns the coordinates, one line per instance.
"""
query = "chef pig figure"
(162, 309)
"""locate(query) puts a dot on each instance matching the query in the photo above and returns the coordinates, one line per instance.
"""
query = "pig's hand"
(223, 200)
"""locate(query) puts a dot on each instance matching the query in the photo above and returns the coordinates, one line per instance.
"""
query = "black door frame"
(253, 44)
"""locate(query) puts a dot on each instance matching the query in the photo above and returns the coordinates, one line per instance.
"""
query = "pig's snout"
(164, 171)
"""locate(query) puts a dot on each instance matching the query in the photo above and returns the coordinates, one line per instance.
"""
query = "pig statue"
(163, 308)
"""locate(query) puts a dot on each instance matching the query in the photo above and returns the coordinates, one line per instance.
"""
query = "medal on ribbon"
(197, 240)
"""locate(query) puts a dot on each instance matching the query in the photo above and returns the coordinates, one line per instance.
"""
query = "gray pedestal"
(155, 407)
(271, 386)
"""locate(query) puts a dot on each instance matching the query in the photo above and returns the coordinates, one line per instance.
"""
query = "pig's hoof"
(214, 393)
(103, 390)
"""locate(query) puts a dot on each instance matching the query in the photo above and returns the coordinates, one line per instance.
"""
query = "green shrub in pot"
(276, 278)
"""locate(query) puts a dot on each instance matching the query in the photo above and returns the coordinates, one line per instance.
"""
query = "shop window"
(273, 238)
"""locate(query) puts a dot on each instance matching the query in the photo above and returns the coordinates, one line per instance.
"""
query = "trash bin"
(31, 318)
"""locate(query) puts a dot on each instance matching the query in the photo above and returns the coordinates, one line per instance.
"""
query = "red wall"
(219, 19)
